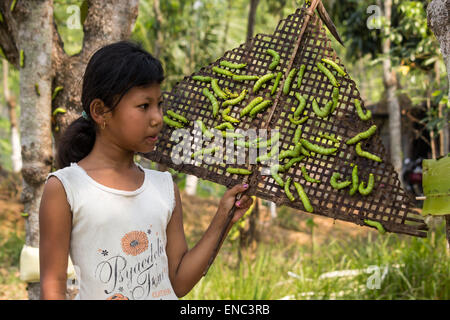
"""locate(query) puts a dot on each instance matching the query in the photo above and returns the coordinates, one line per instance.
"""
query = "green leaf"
(436, 186)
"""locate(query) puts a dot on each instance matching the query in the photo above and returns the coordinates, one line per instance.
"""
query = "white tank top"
(118, 239)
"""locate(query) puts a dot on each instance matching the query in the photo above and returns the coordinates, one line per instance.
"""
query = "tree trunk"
(16, 157)
(390, 83)
(251, 18)
(35, 40)
(159, 35)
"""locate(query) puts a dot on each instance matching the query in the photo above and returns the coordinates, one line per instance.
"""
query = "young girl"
(122, 224)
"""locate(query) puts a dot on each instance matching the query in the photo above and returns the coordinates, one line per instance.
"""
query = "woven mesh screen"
(387, 203)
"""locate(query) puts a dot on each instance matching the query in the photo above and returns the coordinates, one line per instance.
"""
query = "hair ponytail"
(111, 72)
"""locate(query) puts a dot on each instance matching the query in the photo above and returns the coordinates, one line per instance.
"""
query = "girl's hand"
(229, 198)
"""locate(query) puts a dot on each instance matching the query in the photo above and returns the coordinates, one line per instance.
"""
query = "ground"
(197, 213)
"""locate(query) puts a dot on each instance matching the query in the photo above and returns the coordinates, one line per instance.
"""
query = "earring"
(104, 125)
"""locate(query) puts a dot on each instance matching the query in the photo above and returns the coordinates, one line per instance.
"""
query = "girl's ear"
(99, 112)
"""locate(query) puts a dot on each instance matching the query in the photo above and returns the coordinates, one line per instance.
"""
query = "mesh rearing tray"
(387, 204)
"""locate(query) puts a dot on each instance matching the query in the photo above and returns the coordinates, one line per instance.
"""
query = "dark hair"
(111, 72)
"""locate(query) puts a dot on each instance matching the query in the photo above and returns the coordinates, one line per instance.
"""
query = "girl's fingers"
(244, 202)
(237, 189)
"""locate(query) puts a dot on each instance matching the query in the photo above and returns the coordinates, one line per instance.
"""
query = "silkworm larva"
(239, 171)
(335, 66)
(223, 71)
(22, 59)
(289, 195)
(36, 88)
(204, 130)
(205, 151)
(288, 82)
(275, 60)
(277, 82)
(217, 90)
(178, 117)
(303, 197)
(338, 185)
(229, 134)
(244, 77)
(263, 80)
(267, 143)
(251, 105)
(297, 122)
(291, 162)
(328, 74)
(224, 125)
(274, 173)
(273, 151)
(375, 224)
(367, 190)
(297, 135)
(331, 138)
(301, 73)
(230, 94)
(292, 153)
(260, 107)
(363, 116)
(172, 123)
(232, 65)
(56, 91)
(235, 101)
(355, 180)
(228, 118)
(322, 112)
(202, 78)
(13, 5)
(58, 110)
(363, 135)
(301, 106)
(366, 154)
(304, 152)
(316, 148)
(335, 97)
(214, 102)
(307, 177)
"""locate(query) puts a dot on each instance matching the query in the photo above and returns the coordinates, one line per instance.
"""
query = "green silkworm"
(13, 5)
(307, 177)
(36, 88)
(1, 18)
(335, 97)
(316, 148)
(273, 151)
(217, 90)
(301, 106)
(274, 173)
(262, 81)
(335, 66)
(355, 181)
(237, 100)
(177, 116)
(322, 112)
(363, 135)
(277, 82)
(304, 152)
(288, 82)
(230, 94)
(22, 59)
(260, 107)
(204, 130)
(363, 116)
(275, 60)
(58, 110)
(232, 65)
(239, 171)
(202, 78)
(303, 197)
(213, 100)
(251, 105)
(297, 135)
(331, 138)
(338, 185)
(224, 125)
(228, 134)
(228, 118)
(366, 154)
(267, 143)
(204, 151)
(301, 73)
(222, 71)
(289, 195)
(375, 224)
(367, 190)
(328, 74)
(297, 122)
(292, 153)
(291, 162)
(244, 77)
(172, 123)
(56, 91)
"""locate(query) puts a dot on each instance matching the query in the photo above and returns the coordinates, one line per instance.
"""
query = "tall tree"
(30, 41)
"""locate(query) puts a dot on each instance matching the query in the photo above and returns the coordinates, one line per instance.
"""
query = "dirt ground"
(197, 214)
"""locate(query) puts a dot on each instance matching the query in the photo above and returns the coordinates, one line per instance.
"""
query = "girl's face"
(137, 119)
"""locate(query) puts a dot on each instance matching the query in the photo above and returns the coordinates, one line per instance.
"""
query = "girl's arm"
(55, 225)
(186, 267)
